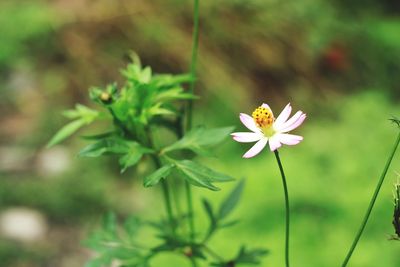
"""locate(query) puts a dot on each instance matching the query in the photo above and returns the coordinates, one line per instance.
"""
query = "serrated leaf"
(113, 145)
(231, 201)
(159, 174)
(66, 132)
(200, 175)
(198, 138)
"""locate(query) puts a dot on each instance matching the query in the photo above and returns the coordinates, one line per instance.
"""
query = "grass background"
(337, 61)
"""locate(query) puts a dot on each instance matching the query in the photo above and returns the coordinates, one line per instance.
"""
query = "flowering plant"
(143, 106)
(266, 129)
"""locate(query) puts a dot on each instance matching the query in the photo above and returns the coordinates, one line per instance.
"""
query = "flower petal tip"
(249, 156)
(265, 105)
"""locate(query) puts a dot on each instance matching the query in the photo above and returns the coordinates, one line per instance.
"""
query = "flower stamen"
(263, 117)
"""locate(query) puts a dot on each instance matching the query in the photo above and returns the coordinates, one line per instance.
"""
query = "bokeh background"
(339, 61)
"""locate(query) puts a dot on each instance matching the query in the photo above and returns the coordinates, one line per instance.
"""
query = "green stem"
(166, 194)
(190, 210)
(176, 199)
(286, 207)
(168, 206)
(213, 253)
(189, 116)
(371, 204)
(193, 64)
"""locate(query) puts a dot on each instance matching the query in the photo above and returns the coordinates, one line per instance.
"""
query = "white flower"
(265, 128)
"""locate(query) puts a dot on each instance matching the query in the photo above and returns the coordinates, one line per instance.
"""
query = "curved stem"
(372, 202)
(287, 211)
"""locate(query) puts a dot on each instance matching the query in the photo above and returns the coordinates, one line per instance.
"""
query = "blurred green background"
(339, 61)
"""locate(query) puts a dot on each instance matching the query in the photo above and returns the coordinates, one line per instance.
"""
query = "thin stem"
(193, 64)
(286, 207)
(167, 196)
(190, 211)
(371, 204)
(176, 199)
(168, 206)
(187, 125)
(213, 253)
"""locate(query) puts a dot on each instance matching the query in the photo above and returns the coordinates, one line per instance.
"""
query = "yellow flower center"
(264, 119)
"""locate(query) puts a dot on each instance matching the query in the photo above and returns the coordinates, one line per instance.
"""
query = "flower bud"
(105, 97)
(188, 252)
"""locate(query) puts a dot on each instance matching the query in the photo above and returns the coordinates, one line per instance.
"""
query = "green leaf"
(98, 136)
(208, 208)
(198, 138)
(145, 75)
(157, 110)
(133, 156)
(113, 145)
(66, 131)
(82, 115)
(131, 151)
(132, 226)
(174, 93)
(213, 220)
(135, 73)
(130, 159)
(110, 224)
(231, 201)
(250, 256)
(82, 112)
(159, 174)
(201, 176)
(168, 80)
(244, 256)
(395, 120)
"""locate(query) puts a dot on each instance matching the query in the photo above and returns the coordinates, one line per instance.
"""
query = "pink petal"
(249, 122)
(296, 124)
(267, 107)
(256, 148)
(246, 137)
(274, 143)
(288, 123)
(290, 139)
(283, 116)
